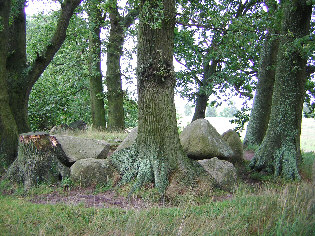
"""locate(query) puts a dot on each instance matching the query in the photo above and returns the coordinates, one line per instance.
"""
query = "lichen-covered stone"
(200, 140)
(129, 140)
(235, 143)
(77, 148)
(223, 172)
(87, 172)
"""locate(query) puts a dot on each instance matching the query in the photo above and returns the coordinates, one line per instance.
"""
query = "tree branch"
(310, 69)
(43, 59)
(131, 17)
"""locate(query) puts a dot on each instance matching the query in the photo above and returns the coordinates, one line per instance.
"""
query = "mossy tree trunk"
(18, 77)
(115, 95)
(96, 84)
(158, 152)
(40, 160)
(8, 127)
(260, 113)
(280, 152)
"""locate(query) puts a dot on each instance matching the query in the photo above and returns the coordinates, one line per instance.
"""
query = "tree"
(157, 153)
(211, 111)
(280, 151)
(187, 110)
(115, 95)
(216, 43)
(65, 81)
(260, 113)
(8, 128)
(96, 84)
(21, 75)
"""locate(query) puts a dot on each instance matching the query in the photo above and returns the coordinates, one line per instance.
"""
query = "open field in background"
(222, 124)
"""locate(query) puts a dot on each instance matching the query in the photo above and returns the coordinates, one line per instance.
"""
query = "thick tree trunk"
(115, 94)
(158, 152)
(260, 113)
(204, 90)
(8, 128)
(18, 88)
(40, 160)
(280, 152)
(18, 78)
(96, 84)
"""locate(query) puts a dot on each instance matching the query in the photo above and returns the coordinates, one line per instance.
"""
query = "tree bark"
(115, 94)
(8, 127)
(280, 152)
(204, 92)
(19, 76)
(40, 160)
(260, 113)
(158, 153)
(96, 84)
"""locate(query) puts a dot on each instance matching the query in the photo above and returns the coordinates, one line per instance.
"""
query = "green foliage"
(130, 111)
(188, 110)
(61, 95)
(223, 32)
(211, 111)
(229, 111)
(241, 118)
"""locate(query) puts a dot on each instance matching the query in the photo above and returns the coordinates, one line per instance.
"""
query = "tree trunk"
(40, 160)
(115, 94)
(96, 84)
(18, 88)
(204, 91)
(280, 152)
(17, 77)
(260, 113)
(158, 152)
(8, 128)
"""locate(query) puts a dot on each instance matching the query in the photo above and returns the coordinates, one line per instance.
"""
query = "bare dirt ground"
(87, 198)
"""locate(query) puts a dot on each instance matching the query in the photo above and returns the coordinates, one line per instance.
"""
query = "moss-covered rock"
(235, 143)
(87, 172)
(200, 140)
(77, 148)
(223, 172)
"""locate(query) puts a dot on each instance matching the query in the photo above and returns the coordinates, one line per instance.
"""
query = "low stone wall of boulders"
(216, 153)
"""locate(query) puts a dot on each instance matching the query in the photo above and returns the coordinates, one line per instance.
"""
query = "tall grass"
(268, 210)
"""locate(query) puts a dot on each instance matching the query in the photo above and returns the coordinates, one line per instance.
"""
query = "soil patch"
(89, 199)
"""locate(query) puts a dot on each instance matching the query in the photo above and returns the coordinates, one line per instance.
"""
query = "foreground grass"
(267, 210)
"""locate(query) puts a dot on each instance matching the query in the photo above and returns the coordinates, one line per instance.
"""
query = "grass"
(264, 210)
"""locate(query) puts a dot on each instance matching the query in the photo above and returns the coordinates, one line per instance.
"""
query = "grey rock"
(77, 148)
(200, 140)
(78, 125)
(235, 143)
(87, 172)
(129, 140)
(223, 172)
